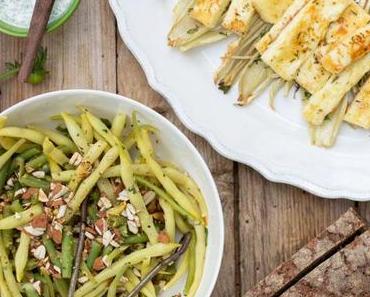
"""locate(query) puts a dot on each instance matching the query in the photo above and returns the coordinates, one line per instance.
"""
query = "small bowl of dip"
(15, 15)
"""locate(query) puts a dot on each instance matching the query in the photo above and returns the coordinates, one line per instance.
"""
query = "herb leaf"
(38, 71)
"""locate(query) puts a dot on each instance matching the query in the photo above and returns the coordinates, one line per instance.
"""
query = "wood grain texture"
(265, 222)
(275, 221)
(81, 54)
(132, 83)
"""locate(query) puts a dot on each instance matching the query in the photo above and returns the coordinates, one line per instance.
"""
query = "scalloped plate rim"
(269, 173)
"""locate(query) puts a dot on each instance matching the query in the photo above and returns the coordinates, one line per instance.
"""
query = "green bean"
(114, 254)
(191, 265)
(155, 250)
(93, 254)
(163, 195)
(21, 255)
(99, 291)
(112, 291)
(18, 163)
(8, 233)
(4, 291)
(30, 153)
(21, 218)
(9, 153)
(135, 239)
(16, 206)
(6, 267)
(92, 212)
(31, 264)
(89, 183)
(67, 252)
(61, 286)
(48, 283)
(52, 251)
(29, 290)
(169, 218)
(107, 250)
(4, 174)
(181, 224)
(37, 162)
(31, 181)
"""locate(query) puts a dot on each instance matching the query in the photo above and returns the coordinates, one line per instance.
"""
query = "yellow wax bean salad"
(137, 207)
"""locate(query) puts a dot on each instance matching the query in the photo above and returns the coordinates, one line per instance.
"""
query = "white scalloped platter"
(276, 143)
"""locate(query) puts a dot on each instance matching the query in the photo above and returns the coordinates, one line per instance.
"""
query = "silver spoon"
(185, 241)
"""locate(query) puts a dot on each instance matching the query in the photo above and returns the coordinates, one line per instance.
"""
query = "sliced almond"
(38, 174)
(42, 196)
(132, 227)
(107, 237)
(39, 253)
(34, 231)
(62, 211)
(101, 226)
(148, 197)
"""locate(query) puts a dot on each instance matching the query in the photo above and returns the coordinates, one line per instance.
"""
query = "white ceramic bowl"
(173, 146)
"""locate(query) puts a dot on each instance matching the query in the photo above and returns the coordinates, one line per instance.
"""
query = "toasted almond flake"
(76, 159)
(34, 231)
(83, 279)
(106, 261)
(132, 227)
(64, 190)
(107, 237)
(137, 221)
(7, 187)
(42, 196)
(20, 192)
(57, 269)
(89, 235)
(162, 284)
(136, 272)
(39, 174)
(114, 243)
(37, 286)
(57, 226)
(148, 197)
(123, 196)
(124, 279)
(101, 226)
(62, 211)
(129, 215)
(10, 182)
(39, 253)
(47, 265)
(131, 208)
(17, 216)
(104, 203)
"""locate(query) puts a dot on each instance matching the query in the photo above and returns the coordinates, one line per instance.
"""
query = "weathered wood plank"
(364, 210)
(275, 221)
(82, 54)
(132, 83)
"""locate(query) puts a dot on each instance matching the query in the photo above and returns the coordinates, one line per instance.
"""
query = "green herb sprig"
(38, 73)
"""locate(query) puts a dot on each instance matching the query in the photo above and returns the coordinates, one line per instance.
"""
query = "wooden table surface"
(265, 222)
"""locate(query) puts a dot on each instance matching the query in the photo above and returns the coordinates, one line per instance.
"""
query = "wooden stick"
(39, 22)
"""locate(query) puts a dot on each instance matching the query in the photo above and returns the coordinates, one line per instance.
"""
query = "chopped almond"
(98, 264)
(163, 237)
(55, 235)
(40, 221)
(101, 226)
(30, 192)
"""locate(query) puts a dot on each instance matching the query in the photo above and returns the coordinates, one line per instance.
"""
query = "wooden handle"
(39, 22)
